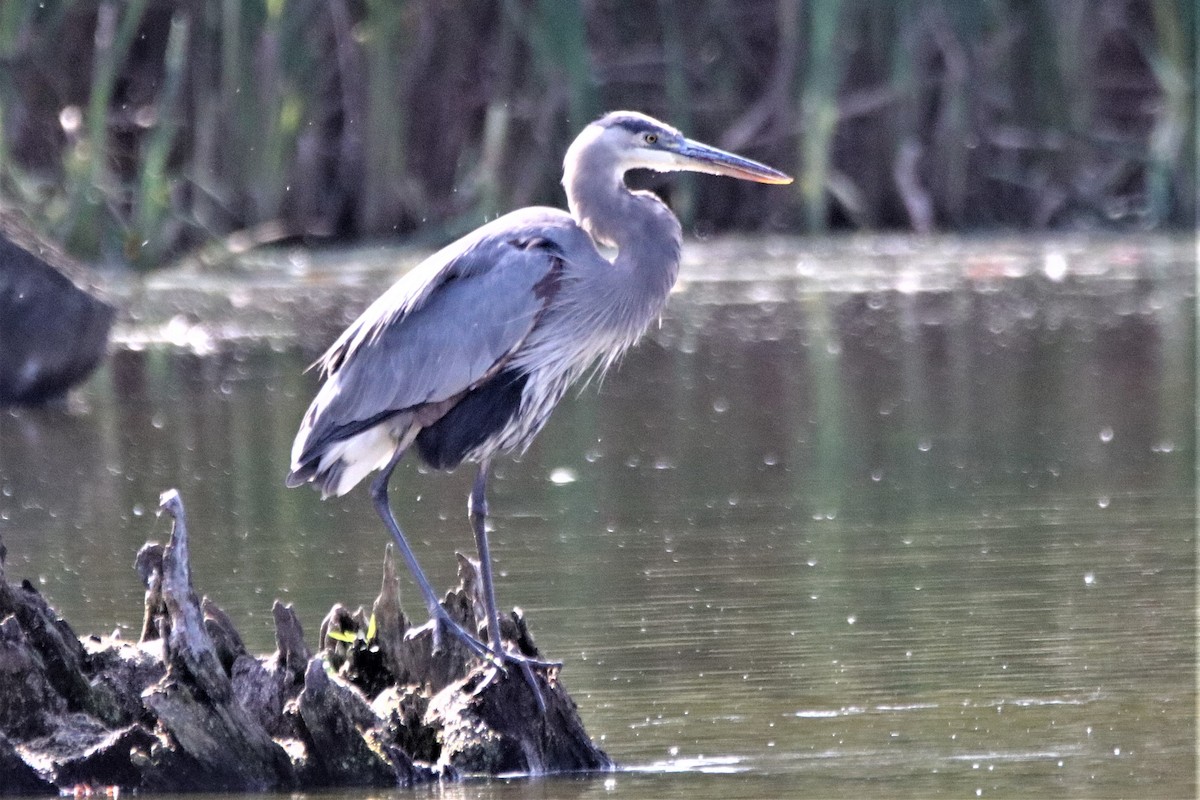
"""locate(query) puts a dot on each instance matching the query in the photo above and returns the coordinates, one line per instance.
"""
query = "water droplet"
(562, 476)
(720, 405)
(924, 445)
(1106, 435)
(1054, 265)
(1089, 578)
(850, 620)
(877, 475)
(1103, 501)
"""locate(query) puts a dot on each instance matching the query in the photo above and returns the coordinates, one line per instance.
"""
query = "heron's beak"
(698, 157)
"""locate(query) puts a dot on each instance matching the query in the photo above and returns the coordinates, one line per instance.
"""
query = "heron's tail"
(324, 481)
(340, 465)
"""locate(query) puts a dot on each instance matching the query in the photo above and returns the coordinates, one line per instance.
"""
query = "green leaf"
(371, 629)
(342, 636)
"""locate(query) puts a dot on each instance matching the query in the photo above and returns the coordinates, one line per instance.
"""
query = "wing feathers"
(442, 329)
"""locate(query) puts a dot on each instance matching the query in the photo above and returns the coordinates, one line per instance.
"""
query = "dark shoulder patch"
(546, 288)
(532, 242)
(481, 413)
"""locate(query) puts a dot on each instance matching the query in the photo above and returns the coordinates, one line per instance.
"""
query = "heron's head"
(625, 140)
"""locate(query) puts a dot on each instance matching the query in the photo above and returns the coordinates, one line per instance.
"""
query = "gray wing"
(441, 329)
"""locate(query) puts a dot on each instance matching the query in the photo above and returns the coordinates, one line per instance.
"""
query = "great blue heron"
(466, 355)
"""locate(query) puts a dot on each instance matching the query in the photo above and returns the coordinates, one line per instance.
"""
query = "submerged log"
(187, 708)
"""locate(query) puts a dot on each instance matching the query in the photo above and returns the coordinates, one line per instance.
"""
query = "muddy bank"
(187, 708)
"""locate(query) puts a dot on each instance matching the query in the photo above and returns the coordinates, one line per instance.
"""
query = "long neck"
(644, 231)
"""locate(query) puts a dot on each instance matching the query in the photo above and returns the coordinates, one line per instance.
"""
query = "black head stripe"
(634, 123)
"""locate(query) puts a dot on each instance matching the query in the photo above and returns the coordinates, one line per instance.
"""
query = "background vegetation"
(135, 129)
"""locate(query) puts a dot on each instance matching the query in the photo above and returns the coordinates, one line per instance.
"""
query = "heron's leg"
(379, 495)
(477, 509)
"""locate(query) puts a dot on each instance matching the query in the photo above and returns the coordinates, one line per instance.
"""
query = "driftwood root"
(188, 708)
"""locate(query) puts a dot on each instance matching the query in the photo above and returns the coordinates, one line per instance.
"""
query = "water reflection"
(879, 516)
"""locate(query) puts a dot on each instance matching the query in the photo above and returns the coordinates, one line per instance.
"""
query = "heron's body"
(466, 356)
(469, 352)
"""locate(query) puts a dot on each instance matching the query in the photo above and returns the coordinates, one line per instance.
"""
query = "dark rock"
(28, 701)
(115, 760)
(291, 654)
(226, 640)
(343, 732)
(402, 709)
(53, 326)
(60, 652)
(260, 692)
(17, 777)
(119, 671)
(224, 747)
(490, 724)
(82, 751)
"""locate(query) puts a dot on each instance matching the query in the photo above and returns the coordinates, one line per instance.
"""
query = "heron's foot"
(499, 662)
(523, 660)
(440, 620)
(531, 680)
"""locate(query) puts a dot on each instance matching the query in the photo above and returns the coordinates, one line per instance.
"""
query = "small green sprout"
(350, 637)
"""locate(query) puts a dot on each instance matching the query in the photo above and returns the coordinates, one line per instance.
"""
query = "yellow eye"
(651, 138)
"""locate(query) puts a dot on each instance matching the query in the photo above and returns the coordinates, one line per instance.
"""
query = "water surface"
(883, 517)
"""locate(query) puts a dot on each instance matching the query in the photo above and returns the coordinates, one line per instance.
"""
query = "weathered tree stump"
(188, 708)
(53, 326)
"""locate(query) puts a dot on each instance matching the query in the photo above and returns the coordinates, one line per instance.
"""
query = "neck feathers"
(644, 231)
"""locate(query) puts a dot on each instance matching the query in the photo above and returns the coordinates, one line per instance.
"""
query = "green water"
(880, 517)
